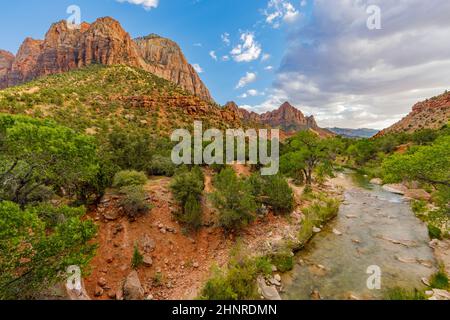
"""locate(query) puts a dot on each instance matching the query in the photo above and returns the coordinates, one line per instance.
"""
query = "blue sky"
(317, 54)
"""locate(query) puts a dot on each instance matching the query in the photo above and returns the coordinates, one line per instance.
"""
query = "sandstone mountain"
(286, 117)
(102, 42)
(432, 113)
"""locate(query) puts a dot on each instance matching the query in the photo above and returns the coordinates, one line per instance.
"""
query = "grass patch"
(401, 294)
(440, 280)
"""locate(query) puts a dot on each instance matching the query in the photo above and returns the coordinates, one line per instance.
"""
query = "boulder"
(376, 181)
(418, 194)
(268, 292)
(395, 188)
(132, 288)
(148, 261)
(439, 294)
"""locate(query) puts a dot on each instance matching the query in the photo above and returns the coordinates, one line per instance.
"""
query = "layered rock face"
(432, 113)
(6, 61)
(289, 119)
(102, 42)
(164, 58)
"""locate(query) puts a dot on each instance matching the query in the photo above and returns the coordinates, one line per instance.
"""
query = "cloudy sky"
(351, 63)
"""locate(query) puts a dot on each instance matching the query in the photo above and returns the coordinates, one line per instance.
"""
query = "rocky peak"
(243, 114)
(288, 118)
(165, 59)
(102, 42)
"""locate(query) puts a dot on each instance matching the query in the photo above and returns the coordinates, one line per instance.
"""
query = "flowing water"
(378, 229)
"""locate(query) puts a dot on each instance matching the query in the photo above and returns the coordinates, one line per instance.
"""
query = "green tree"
(39, 153)
(428, 164)
(137, 260)
(187, 188)
(234, 200)
(36, 251)
(305, 152)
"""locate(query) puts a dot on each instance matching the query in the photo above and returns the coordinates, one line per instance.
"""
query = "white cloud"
(278, 11)
(226, 58)
(248, 50)
(197, 68)
(265, 57)
(251, 93)
(354, 77)
(226, 38)
(147, 4)
(198, 45)
(245, 80)
(213, 55)
(268, 68)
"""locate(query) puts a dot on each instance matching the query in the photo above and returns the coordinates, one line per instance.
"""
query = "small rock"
(277, 277)
(196, 265)
(337, 232)
(274, 269)
(376, 181)
(112, 295)
(316, 230)
(148, 261)
(98, 291)
(102, 282)
(110, 260)
(315, 295)
(426, 282)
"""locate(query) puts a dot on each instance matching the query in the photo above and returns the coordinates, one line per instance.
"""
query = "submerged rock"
(395, 188)
(268, 292)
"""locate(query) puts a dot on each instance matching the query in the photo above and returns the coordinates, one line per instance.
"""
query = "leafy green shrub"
(161, 166)
(272, 191)
(187, 188)
(400, 294)
(129, 178)
(284, 261)
(192, 213)
(134, 201)
(440, 280)
(36, 249)
(137, 260)
(419, 207)
(238, 281)
(434, 232)
(186, 184)
(234, 200)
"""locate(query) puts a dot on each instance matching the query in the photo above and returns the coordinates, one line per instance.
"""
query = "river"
(374, 229)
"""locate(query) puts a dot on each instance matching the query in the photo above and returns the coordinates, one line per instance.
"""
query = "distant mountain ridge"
(286, 117)
(354, 133)
(432, 113)
(102, 42)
